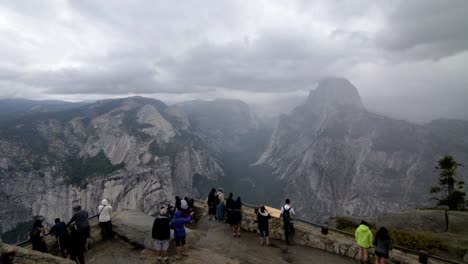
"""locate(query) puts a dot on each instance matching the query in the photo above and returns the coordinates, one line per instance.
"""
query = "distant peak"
(336, 91)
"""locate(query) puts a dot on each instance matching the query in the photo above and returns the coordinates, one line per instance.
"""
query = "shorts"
(161, 245)
(179, 241)
(264, 233)
(381, 255)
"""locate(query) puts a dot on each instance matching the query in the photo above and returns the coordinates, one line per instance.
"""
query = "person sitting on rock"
(60, 231)
(178, 224)
(161, 232)
(36, 236)
(262, 220)
(363, 237)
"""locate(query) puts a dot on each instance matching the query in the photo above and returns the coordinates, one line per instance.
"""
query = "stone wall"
(136, 226)
(311, 236)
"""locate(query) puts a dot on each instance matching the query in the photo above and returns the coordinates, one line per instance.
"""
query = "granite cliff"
(333, 157)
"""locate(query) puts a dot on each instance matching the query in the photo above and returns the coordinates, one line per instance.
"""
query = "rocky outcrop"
(333, 157)
(136, 152)
(26, 256)
(136, 226)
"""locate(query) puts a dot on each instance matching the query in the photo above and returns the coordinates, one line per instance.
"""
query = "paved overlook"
(216, 245)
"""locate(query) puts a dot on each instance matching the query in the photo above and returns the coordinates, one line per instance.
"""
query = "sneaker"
(159, 259)
(166, 259)
(178, 257)
(185, 254)
(234, 235)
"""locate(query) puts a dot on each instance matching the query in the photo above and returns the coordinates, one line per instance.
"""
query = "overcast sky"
(253, 50)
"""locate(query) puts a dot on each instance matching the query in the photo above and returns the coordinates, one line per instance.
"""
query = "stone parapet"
(311, 236)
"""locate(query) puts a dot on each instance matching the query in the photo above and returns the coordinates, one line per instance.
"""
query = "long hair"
(213, 191)
(262, 209)
(382, 234)
(37, 223)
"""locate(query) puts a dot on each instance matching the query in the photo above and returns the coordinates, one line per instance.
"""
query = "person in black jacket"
(212, 204)
(36, 236)
(77, 245)
(80, 217)
(229, 208)
(161, 233)
(61, 233)
(263, 228)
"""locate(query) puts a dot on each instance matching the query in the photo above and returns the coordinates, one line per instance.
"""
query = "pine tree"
(454, 196)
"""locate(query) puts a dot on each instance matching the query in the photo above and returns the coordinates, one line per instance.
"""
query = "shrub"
(417, 241)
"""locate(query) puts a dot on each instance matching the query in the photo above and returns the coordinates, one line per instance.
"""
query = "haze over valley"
(345, 107)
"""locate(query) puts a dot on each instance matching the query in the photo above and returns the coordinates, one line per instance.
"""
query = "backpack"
(286, 214)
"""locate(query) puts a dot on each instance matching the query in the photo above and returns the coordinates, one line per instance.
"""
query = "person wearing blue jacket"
(178, 224)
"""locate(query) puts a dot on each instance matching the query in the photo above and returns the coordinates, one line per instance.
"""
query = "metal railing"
(25, 242)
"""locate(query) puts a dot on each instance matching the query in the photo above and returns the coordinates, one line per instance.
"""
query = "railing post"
(324, 229)
(423, 257)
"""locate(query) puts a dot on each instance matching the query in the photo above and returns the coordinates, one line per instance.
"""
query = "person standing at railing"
(77, 246)
(105, 213)
(236, 217)
(220, 205)
(161, 233)
(36, 236)
(364, 239)
(229, 208)
(212, 204)
(263, 216)
(60, 231)
(287, 213)
(383, 245)
(178, 224)
(80, 218)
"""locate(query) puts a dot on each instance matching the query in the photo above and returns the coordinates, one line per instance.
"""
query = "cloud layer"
(191, 49)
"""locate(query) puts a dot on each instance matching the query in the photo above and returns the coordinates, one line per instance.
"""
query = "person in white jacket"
(105, 213)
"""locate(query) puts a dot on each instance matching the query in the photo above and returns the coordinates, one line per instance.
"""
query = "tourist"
(178, 224)
(383, 244)
(170, 211)
(77, 245)
(287, 213)
(36, 236)
(236, 217)
(8, 256)
(162, 233)
(263, 228)
(363, 237)
(220, 205)
(212, 205)
(60, 231)
(229, 207)
(184, 208)
(178, 203)
(105, 212)
(80, 217)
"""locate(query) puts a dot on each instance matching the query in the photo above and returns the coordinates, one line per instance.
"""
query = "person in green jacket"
(364, 239)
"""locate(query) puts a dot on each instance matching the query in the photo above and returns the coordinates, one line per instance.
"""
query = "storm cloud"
(190, 49)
